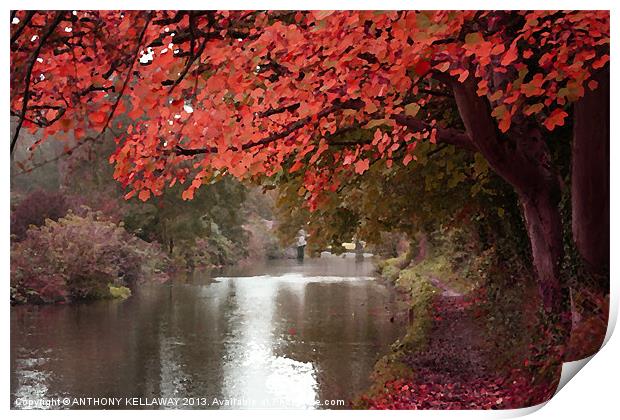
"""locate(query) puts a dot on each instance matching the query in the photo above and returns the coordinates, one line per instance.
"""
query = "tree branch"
(112, 112)
(128, 75)
(33, 59)
(444, 135)
(291, 128)
(274, 111)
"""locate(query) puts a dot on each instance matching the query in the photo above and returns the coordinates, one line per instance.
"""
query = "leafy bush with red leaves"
(79, 257)
(34, 209)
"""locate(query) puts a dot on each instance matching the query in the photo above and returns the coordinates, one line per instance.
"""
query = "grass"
(421, 293)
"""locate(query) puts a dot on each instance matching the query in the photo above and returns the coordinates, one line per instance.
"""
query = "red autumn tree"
(256, 93)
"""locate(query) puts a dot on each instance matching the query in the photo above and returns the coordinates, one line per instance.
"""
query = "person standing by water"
(301, 244)
(359, 250)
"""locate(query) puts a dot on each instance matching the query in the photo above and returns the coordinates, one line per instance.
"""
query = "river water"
(280, 334)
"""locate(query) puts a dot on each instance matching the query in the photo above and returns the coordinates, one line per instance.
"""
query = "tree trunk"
(522, 158)
(544, 228)
(590, 177)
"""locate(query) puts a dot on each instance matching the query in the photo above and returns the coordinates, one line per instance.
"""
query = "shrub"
(262, 239)
(216, 250)
(79, 257)
(120, 292)
(390, 268)
(34, 209)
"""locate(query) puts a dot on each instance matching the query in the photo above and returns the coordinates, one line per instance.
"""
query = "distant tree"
(212, 220)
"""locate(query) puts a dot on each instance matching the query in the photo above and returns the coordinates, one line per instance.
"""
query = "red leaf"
(555, 119)
(144, 195)
(463, 76)
(529, 110)
(422, 68)
(98, 117)
(296, 166)
(188, 194)
(597, 64)
(510, 55)
(130, 194)
(361, 166)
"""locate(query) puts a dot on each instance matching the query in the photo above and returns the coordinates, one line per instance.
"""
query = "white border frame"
(592, 394)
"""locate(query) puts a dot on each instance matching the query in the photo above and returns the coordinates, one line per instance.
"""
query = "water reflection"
(277, 335)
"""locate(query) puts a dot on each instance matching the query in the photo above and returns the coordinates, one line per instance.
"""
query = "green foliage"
(204, 231)
(444, 186)
(391, 269)
(414, 283)
(119, 292)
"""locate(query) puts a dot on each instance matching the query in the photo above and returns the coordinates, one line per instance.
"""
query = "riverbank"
(461, 350)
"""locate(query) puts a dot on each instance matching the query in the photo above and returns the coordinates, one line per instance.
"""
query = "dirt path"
(456, 348)
(455, 369)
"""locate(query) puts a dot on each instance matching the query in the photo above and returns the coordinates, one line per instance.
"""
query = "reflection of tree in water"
(161, 342)
(90, 349)
(193, 337)
(344, 345)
